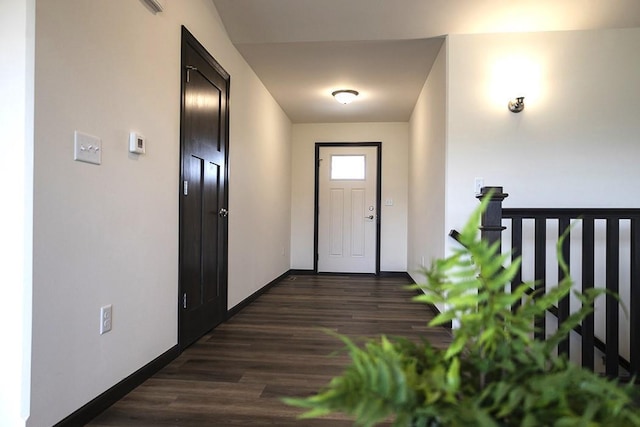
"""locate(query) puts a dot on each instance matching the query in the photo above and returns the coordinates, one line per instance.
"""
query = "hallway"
(236, 374)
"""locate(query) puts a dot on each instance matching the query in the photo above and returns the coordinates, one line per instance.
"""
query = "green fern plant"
(494, 372)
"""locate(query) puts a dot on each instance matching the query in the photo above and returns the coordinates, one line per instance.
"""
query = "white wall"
(260, 188)
(108, 234)
(576, 142)
(427, 161)
(17, 28)
(574, 145)
(394, 138)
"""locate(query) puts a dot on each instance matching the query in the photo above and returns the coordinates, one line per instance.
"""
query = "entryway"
(347, 223)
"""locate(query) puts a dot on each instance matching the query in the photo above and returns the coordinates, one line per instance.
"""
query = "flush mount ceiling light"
(155, 5)
(345, 96)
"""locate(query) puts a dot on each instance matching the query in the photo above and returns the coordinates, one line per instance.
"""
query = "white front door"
(347, 209)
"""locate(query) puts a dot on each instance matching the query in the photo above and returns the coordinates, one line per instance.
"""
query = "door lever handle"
(369, 217)
(223, 213)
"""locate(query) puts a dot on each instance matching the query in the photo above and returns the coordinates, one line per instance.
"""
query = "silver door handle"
(369, 217)
(223, 213)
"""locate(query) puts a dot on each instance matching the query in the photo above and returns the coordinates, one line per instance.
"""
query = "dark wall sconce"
(516, 105)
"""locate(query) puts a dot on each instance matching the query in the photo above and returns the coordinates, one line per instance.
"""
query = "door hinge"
(185, 187)
(184, 300)
(189, 69)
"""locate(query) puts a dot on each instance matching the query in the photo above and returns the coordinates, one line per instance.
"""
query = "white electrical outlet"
(106, 318)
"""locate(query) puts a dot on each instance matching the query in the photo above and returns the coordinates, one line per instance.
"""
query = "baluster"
(540, 267)
(634, 317)
(587, 283)
(516, 251)
(612, 308)
(563, 304)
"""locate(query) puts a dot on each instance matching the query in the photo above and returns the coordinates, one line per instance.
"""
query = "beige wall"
(427, 171)
(574, 145)
(260, 188)
(394, 138)
(576, 142)
(108, 234)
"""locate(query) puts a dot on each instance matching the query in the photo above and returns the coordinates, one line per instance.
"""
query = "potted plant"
(494, 372)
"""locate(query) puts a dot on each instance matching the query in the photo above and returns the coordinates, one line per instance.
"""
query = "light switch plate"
(87, 148)
(478, 183)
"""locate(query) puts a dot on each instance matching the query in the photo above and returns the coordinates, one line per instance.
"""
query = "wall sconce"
(512, 77)
(345, 96)
(516, 105)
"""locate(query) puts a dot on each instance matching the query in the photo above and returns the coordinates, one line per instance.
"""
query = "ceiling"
(302, 50)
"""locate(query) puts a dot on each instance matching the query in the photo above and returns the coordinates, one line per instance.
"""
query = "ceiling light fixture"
(155, 5)
(345, 96)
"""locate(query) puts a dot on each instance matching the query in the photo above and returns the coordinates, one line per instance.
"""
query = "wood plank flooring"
(237, 373)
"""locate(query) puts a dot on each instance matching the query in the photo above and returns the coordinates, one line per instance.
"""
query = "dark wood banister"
(491, 229)
(598, 343)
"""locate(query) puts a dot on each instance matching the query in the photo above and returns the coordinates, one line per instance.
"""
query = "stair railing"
(493, 224)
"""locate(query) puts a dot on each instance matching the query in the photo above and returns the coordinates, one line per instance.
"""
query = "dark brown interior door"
(203, 199)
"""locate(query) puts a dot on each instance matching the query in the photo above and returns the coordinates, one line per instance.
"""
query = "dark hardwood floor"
(237, 373)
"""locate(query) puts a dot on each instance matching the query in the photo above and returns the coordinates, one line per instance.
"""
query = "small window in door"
(351, 167)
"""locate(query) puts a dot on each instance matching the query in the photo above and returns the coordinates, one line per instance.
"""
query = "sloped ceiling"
(302, 50)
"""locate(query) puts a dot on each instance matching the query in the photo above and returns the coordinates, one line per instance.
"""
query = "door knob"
(223, 213)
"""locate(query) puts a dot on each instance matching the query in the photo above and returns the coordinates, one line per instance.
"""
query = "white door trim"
(378, 197)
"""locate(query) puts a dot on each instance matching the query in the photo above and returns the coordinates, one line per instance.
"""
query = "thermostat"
(137, 143)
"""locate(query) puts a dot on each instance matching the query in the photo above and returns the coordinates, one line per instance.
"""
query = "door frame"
(316, 201)
(189, 40)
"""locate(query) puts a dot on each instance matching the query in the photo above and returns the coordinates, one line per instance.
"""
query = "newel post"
(491, 222)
